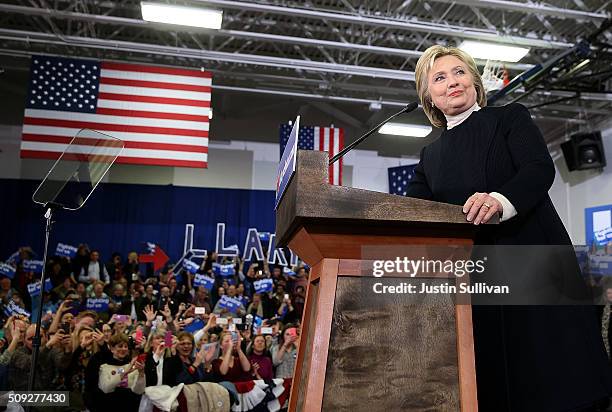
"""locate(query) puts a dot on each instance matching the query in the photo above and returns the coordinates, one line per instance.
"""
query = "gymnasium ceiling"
(341, 55)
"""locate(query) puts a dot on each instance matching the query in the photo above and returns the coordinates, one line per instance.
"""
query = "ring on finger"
(488, 206)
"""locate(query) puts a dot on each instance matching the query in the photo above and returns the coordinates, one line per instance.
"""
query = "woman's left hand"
(480, 207)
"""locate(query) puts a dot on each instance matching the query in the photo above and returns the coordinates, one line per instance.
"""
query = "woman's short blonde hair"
(424, 65)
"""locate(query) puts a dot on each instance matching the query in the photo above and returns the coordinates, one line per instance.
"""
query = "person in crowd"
(299, 299)
(54, 356)
(94, 270)
(284, 353)
(114, 267)
(149, 297)
(196, 368)
(286, 312)
(120, 379)
(493, 161)
(119, 302)
(160, 365)
(201, 299)
(6, 290)
(261, 359)
(131, 269)
(232, 365)
(74, 375)
(256, 306)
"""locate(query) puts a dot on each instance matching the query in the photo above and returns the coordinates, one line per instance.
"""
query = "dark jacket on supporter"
(189, 375)
(170, 369)
(528, 358)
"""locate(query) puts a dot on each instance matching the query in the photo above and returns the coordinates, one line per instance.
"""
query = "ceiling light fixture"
(181, 15)
(493, 51)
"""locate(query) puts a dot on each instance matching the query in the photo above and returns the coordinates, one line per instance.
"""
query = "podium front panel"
(391, 352)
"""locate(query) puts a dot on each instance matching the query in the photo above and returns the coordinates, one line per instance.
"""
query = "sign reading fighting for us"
(286, 167)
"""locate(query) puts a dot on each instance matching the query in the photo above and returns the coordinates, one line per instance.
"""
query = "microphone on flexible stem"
(409, 107)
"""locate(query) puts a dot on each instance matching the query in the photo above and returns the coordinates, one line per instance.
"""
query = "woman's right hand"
(149, 313)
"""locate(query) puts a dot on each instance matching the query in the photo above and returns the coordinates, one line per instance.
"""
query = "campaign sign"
(287, 271)
(35, 266)
(190, 266)
(34, 288)
(203, 280)
(7, 270)
(97, 304)
(598, 225)
(224, 270)
(286, 167)
(65, 250)
(263, 285)
(194, 326)
(228, 303)
(13, 309)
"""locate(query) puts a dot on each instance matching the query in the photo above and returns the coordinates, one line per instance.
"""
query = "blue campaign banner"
(190, 266)
(14, 258)
(194, 326)
(598, 225)
(7, 270)
(228, 303)
(286, 167)
(264, 285)
(13, 309)
(224, 270)
(287, 271)
(203, 280)
(34, 288)
(66, 250)
(35, 266)
(97, 304)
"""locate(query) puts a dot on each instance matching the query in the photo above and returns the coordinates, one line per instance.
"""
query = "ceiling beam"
(250, 59)
(533, 8)
(412, 25)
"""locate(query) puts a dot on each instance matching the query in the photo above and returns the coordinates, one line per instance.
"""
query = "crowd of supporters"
(115, 333)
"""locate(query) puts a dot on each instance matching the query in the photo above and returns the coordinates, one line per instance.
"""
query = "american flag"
(328, 139)
(160, 113)
(399, 179)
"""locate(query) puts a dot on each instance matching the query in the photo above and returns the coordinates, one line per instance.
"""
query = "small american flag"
(399, 179)
(160, 113)
(328, 139)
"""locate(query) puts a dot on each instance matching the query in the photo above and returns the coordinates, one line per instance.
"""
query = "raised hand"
(149, 313)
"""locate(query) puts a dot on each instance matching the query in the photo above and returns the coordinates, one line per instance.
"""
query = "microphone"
(409, 107)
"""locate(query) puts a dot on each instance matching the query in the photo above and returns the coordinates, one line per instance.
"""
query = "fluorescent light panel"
(181, 15)
(403, 129)
(493, 51)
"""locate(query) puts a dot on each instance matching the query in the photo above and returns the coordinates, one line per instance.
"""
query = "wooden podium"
(360, 351)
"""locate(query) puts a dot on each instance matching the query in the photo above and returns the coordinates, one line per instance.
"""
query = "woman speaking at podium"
(493, 160)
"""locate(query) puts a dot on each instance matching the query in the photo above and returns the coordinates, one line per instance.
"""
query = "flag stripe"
(114, 127)
(153, 85)
(150, 99)
(115, 120)
(128, 144)
(152, 115)
(155, 77)
(154, 69)
(154, 154)
(126, 136)
(153, 107)
(335, 143)
(152, 92)
(120, 160)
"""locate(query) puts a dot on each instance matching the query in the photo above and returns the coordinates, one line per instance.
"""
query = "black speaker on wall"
(584, 151)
